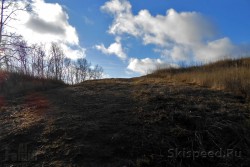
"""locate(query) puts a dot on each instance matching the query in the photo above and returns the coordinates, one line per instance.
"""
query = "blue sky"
(126, 44)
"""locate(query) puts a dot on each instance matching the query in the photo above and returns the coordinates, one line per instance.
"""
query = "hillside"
(151, 121)
(229, 75)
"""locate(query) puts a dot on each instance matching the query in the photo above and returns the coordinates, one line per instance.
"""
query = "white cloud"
(105, 76)
(75, 52)
(117, 7)
(124, 20)
(114, 49)
(147, 65)
(183, 28)
(48, 22)
(215, 50)
(179, 36)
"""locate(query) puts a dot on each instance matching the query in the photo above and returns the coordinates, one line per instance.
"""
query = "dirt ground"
(125, 123)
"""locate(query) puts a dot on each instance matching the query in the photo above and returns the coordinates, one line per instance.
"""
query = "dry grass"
(230, 75)
(127, 122)
(15, 83)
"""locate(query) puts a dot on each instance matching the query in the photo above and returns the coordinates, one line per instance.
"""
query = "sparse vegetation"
(38, 60)
(14, 84)
(53, 64)
(229, 75)
(135, 122)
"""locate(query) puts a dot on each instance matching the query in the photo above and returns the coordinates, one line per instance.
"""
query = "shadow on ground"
(125, 122)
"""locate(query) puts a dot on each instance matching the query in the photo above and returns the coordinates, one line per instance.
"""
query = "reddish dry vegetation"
(37, 100)
(127, 122)
(3, 76)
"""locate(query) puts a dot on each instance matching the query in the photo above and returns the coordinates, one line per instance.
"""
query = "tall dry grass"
(230, 75)
(16, 83)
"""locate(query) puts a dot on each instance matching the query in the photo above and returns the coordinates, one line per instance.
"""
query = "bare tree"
(22, 55)
(96, 73)
(83, 66)
(9, 10)
(17, 56)
(38, 61)
(68, 76)
(56, 61)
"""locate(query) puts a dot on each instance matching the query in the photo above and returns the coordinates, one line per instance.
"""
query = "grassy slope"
(230, 75)
(12, 84)
(127, 122)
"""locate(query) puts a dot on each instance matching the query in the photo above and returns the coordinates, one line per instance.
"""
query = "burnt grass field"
(140, 122)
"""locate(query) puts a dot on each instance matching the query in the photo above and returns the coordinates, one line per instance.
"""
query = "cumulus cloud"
(183, 28)
(117, 7)
(124, 19)
(74, 52)
(114, 49)
(42, 26)
(215, 50)
(147, 65)
(177, 36)
(46, 23)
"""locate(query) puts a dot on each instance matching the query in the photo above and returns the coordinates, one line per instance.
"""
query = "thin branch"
(11, 13)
